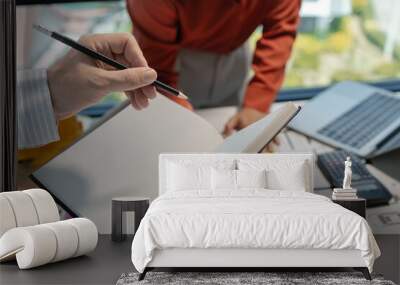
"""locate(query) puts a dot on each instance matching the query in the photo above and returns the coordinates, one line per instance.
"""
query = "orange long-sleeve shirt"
(163, 27)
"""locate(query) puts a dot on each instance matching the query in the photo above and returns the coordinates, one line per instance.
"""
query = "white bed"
(248, 227)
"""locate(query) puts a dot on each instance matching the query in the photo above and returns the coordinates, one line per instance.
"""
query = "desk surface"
(102, 266)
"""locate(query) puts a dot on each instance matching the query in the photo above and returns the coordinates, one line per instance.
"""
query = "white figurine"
(347, 174)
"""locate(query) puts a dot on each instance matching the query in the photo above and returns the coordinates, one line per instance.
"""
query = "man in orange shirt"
(200, 47)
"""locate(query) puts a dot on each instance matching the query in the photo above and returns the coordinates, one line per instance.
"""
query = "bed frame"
(248, 259)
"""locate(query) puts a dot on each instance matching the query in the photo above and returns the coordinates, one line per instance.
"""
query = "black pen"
(95, 55)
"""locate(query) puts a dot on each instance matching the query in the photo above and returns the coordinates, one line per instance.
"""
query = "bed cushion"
(292, 178)
(288, 178)
(223, 179)
(228, 179)
(182, 177)
(281, 175)
(193, 174)
(251, 178)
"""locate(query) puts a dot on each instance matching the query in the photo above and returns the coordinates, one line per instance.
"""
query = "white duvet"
(250, 219)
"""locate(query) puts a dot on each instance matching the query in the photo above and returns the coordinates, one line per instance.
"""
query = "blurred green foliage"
(345, 74)
(340, 48)
(388, 69)
(293, 79)
(359, 6)
(308, 48)
(340, 40)
(371, 29)
(306, 52)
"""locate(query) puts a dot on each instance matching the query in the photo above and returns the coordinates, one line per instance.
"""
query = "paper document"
(385, 219)
(256, 136)
(120, 156)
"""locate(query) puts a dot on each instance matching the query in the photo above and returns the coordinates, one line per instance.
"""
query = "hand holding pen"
(80, 79)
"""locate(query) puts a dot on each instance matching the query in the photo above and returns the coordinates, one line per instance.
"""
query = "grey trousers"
(214, 80)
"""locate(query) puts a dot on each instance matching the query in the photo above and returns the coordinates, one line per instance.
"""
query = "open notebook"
(119, 157)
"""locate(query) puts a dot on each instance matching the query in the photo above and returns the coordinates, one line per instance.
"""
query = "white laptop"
(352, 116)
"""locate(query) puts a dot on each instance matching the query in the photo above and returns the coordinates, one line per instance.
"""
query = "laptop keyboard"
(368, 187)
(364, 122)
(392, 143)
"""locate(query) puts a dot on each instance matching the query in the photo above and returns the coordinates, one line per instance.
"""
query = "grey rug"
(232, 278)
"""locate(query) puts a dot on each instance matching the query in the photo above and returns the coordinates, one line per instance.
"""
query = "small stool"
(123, 204)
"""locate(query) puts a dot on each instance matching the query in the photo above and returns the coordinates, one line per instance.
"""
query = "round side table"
(139, 205)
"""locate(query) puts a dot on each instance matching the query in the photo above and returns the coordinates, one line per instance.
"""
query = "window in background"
(345, 40)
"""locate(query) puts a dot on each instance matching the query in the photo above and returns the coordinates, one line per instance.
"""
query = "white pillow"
(189, 174)
(237, 179)
(292, 178)
(181, 177)
(251, 178)
(223, 179)
(281, 175)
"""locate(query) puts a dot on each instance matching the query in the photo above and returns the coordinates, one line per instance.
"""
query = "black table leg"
(116, 220)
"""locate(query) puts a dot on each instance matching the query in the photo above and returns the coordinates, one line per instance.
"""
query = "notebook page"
(253, 138)
(120, 157)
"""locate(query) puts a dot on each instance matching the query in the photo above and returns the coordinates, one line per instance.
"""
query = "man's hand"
(77, 81)
(242, 119)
